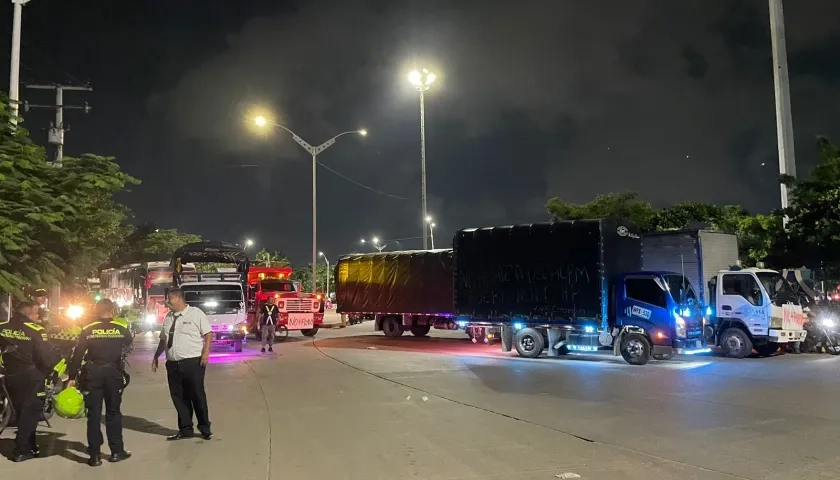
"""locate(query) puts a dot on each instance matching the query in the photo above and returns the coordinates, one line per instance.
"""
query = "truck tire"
(310, 332)
(736, 343)
(529, 342)
(767, 349)
(392, 327)
(420, 330)
(237, 346)
(635, 349)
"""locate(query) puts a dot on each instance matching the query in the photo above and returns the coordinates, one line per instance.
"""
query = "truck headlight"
(680, 326)
(150, 319)
(828, 322)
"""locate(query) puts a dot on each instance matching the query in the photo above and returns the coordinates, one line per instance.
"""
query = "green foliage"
(626, 205)
(304, 276)
(165, 242)
(273, 259)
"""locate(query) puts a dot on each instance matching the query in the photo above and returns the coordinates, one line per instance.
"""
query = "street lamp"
(431, 223)
(422, 81)
(327, 296)
(375, 243)
(262, 122)
(249, 243)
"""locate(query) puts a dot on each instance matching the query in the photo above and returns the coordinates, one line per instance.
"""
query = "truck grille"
(299, 305)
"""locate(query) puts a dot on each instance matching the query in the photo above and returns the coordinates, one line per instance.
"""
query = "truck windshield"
(772, 282)
(214, 299)
(277, 286)
(680, 288)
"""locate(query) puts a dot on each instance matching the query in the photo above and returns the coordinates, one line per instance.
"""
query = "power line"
(361, 184)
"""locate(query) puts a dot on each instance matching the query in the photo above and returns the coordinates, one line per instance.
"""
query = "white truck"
(746, 309)
(221, 295)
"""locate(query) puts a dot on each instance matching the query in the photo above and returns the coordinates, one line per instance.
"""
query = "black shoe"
(270, 349)
(207, 435)
(95, 460)
(22, 457)
(36, 451)
(180, 436)
(119, 457)
(262, 350)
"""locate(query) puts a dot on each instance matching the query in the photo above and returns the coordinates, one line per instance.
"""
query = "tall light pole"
(314, 151)
(14, 67)
(422, 80)
(327, 296)
(784, 118)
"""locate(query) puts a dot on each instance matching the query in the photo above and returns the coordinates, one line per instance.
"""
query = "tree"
(814, 212)
(626, 205)
(165, 242)
(30, 211)
(304, 276)
(271, 259)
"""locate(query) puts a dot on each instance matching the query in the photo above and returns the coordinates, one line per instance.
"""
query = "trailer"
(574, 286)
(408, 290)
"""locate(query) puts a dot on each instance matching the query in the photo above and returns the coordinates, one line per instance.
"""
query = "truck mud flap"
(507, 338)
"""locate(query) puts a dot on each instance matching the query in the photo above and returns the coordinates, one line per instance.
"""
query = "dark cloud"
(535, 99)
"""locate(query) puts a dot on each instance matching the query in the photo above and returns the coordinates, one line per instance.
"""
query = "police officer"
(103, 377)
(40, 298)
(27, 366)
(269, 315)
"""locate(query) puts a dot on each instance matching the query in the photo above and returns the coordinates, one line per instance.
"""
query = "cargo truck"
(400, 291)
(574, 286)
(746, 309)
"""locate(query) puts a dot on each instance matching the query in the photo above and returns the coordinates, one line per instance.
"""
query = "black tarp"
(395, 282)
(210, 252)
(556, 272)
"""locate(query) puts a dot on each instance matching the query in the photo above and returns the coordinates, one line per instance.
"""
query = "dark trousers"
(186, 386)
(103, 383)
(26, 390)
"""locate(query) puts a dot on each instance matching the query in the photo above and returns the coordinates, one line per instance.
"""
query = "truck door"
(644, 303)
(740, 298)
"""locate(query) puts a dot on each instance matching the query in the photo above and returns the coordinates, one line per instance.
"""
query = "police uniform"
(26, 369)
(103, 377)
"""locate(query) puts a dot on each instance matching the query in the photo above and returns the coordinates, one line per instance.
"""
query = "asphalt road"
(354, 405)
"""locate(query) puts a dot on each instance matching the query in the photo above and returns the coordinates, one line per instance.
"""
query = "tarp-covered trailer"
(408, 290)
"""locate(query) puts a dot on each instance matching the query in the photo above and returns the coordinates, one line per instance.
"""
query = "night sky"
(534, 99)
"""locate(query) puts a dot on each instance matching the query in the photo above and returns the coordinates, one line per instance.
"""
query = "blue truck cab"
(573, 286)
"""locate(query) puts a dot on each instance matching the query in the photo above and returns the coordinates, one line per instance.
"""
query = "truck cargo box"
(410, 282)
(557, 272)
(701, 254)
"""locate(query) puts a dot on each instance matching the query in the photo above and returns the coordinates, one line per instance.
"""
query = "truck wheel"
(310, 332)
(420, 330)
(635, 349)
(237, 346)
(392, 327)
(735, 343)
(768, 349)
(529, 342)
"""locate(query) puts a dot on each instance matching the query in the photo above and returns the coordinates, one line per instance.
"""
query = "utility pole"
(14, 68)
(57, 129)
(784, 117)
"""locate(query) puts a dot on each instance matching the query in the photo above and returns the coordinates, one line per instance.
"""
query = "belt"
(183, 359)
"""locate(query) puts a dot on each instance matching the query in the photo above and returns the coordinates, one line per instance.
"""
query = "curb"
(332, 325)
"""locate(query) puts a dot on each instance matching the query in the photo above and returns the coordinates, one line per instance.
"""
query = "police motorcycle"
(823, 330)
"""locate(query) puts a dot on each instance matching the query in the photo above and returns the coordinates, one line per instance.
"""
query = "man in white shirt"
(186, 337)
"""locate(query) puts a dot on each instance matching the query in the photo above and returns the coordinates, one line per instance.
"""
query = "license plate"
(300, 321)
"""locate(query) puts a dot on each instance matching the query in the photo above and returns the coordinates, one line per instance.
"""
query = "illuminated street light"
(422, 80)
(262, 122)
(327, 294)
(249, 243)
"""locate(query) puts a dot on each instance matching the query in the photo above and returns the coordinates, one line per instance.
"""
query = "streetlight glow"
(375, 240)
(321, 253)
(261, 121)
(429, 219)
(421, 79)
(249, 242)
(363, 132)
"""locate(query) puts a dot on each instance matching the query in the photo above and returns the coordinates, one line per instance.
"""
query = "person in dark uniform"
(269, 314)
(27, 366)
(103, 377)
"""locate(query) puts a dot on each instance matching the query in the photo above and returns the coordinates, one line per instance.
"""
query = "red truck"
(298, 310)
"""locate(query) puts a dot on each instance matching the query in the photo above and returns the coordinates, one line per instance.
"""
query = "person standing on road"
(103, 378)
(186, 337)
(269, 313)
(27, 366)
